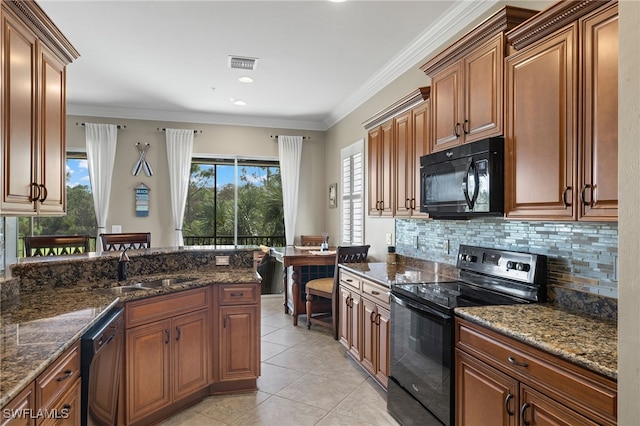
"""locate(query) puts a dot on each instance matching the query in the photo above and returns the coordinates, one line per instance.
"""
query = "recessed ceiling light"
(238, 102)
(245, 79)
(337, 1)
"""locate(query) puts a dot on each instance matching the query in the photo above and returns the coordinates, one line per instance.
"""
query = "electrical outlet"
(222, 260)
(389, 238)
(445, 246)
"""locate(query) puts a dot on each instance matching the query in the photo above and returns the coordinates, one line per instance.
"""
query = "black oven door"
(421, 358)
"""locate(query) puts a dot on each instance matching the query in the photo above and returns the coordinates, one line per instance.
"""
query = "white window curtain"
(101, 140)
(290, 153)
(179, 151)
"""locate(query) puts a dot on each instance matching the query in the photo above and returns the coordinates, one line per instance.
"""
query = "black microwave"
(464, 181)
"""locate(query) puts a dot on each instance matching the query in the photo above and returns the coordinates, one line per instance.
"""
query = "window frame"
(351, 200)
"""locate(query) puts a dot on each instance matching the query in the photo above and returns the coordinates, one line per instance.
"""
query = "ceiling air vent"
(242, 62)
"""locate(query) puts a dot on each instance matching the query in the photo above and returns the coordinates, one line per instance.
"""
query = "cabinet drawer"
(238, 294)
(160, 307)
(66, 410)
(350, 280)
(584, 391)
(376, 292)
(58, 378)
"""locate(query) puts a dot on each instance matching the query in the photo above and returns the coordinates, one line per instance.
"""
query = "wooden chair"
(311, 240)
(55, 245)
(322, 293)
(131, 241)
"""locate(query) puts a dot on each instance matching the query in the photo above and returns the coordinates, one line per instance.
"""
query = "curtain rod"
(120, 126)
(162, 129)
(275, 137)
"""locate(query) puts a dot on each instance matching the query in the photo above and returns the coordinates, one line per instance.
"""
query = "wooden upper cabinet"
(34, 56)
(467, 83)
(561, 114)
(398, 136)
(598, 179)
(540, 129)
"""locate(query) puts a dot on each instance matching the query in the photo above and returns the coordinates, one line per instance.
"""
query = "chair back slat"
(311, 240)
(55, 245)
(131, 241)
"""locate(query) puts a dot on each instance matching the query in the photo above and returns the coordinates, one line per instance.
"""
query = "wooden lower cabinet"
(15, 412)
(239, 339)
(503, 382)
(364, 316)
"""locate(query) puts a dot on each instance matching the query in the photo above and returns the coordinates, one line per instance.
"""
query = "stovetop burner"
(487, 277)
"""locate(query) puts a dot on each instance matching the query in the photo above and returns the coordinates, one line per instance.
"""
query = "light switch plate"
(388, 239)
(222, 260)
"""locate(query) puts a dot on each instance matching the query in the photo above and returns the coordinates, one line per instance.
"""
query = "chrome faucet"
(123, 265)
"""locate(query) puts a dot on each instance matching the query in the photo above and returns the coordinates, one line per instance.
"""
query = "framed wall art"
(333, 195)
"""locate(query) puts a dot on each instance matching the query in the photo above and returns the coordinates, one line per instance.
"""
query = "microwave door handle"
(476, 189)
(465, 185)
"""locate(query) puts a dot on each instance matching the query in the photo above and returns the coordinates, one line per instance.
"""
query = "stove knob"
(510, 265)
(462, 257)
(522, 267)
(471, 258)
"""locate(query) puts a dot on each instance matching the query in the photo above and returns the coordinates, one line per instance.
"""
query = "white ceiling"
(317, 60)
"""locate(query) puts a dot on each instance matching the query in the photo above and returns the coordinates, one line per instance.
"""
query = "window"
(352, 194)
(234, 202)
(80, 218)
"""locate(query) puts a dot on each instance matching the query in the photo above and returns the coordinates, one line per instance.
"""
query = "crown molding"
(459, 17)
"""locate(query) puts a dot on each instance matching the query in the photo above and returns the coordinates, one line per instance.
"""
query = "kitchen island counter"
(586, 341)
(38, 326)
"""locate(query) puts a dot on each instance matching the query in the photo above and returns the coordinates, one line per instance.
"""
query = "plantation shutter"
(352, 194)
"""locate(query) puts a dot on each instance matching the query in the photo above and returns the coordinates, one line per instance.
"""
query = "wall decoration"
(142, 161)
(142, 200)
(333, 195)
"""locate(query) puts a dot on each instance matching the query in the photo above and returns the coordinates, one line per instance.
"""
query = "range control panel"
(524, 267)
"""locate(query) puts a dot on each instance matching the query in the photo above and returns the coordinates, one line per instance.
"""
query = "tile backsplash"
(581, 256)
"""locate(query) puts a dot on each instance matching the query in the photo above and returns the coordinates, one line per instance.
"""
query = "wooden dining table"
(302, 264)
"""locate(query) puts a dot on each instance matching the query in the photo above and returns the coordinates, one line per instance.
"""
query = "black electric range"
(421, 378)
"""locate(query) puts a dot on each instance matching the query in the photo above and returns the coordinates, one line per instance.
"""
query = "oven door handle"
(424, 309)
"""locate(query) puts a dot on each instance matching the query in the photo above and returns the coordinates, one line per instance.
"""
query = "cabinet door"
(446, 108)
(239, 345)
(541, 129)
(382, 353)
(190, 335)
(368, 348)
(484, 396)
(18, 116)
(386, 169)
(345, 318)
(67, 411)
(404, 154)
(52, 151)
(356, 327)
(421, 137)
(539, 410)
(599, 143)
(14, 410)
(373, 153)
(148, 369)
(483, 104)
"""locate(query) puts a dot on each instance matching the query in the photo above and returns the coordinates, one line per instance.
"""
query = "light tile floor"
(307, 379)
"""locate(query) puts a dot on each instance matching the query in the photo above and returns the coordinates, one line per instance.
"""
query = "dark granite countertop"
(37, 327)
(589, 342)
(583, 340)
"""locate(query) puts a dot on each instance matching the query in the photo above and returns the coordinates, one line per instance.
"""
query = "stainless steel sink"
(124, 289)
(167, 282)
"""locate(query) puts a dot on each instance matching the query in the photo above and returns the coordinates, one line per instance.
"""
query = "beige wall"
(629, 220)
(224, 141)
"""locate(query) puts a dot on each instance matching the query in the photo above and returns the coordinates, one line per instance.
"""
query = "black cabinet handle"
(166, 334)
(377, 321)
(45, 192)
(564, 196)
(582, 197)
(456, 131)
(465, 127)
(178, 331)
(523, 409)
(36, 196)
(506, 404)
(67, 374)
(513, 361)
(372, 317)
(237, 294)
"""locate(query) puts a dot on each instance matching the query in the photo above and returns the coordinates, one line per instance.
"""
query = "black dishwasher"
(101, 368)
